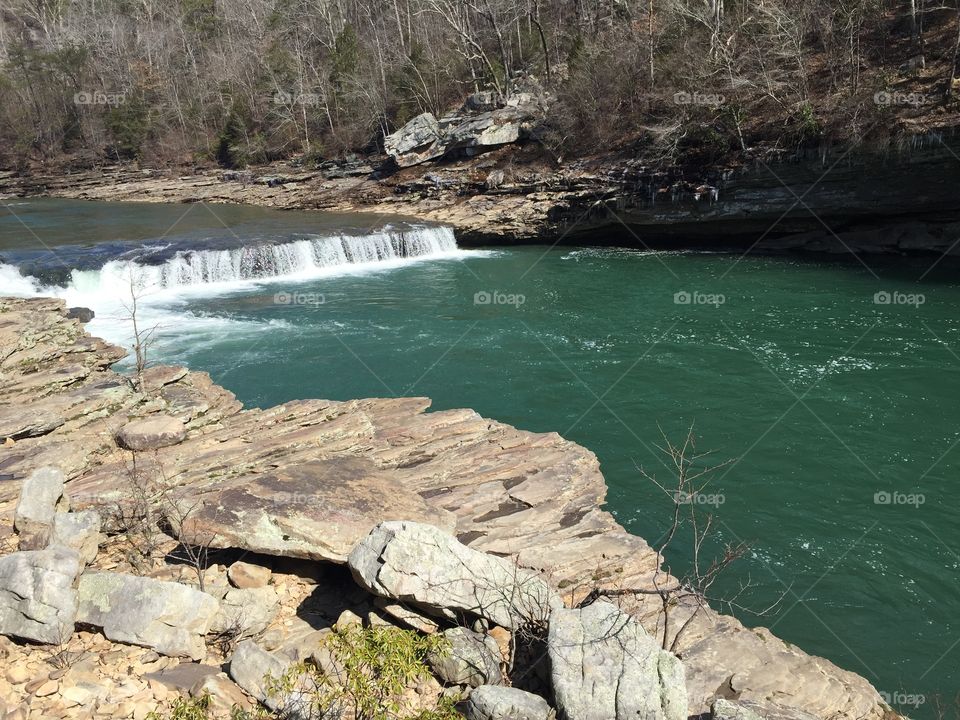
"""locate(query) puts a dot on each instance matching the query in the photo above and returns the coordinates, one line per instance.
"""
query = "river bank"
(537, 500)
(892, 198)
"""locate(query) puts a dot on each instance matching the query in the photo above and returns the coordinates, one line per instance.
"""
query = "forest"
(238, 82)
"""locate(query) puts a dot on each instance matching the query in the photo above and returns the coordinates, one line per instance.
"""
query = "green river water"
(839, 408)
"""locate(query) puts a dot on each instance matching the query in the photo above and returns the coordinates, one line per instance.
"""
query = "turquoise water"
(823, 395)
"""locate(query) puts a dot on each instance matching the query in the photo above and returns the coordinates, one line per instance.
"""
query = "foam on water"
(162, 289)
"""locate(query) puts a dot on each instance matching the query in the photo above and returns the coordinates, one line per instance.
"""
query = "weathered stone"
(495, 702)
(253, 669)
(247, 575)
(151, 433)
(80, 531)
(225, 695)
(37, 596)
(725, 710)
(471, 658)
(33, 517)
(82, 314)
(603, 665)
(409, 617)
(412, 143)
(246, 612)
(166, 616)
(419, 564)
(317, 510)
(182, 676)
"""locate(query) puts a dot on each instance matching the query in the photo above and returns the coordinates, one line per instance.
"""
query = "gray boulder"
(36, 507)
(603, 665)
(472, 658)
(166, 616)
(151, 433)
(80, 531)
(246, 612)
(37, 597)
(419, 564)
(495, 702)
(255, 670)
(415, 142)
(723, 709)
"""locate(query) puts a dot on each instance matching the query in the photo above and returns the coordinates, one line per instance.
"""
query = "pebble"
(49, 687)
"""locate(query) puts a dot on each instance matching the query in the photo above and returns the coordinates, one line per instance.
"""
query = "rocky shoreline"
(893, 199)
(282, 501)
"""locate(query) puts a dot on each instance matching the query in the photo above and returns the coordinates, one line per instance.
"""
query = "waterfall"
(212, 269)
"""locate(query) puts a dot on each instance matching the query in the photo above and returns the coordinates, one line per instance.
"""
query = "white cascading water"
(108, 290)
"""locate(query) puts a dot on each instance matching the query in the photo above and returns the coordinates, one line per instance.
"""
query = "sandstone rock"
(252, 668)
(420, 564)
(80, 531)
(317, 510)
(246, 612)
(495, 702)
(725, 710)
(414, 142)
(471, 659)
(603, 665)
(168, 617)
(225, 695)
(182, 676)
(37, 596)
(33, 517)
(407, 616)
(151, 433)
(245, 575)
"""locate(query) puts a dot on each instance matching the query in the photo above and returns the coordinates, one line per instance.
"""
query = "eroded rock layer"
(310, 478)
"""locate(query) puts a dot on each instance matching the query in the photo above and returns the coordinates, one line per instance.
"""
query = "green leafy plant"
(185, 708)
(368, 671)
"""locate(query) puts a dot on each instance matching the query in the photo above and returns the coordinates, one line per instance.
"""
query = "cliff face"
(309, 478)
(899, 198)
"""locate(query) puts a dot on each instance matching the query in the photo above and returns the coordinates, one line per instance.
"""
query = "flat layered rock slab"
(318, 510)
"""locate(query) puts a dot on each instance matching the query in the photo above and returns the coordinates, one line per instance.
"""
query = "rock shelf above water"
(310, 478)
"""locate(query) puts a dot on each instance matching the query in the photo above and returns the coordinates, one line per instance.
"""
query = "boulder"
(38, 600)
(481, 124)
(224, 694)
(420, 564)
(471, 658)
(255, 670)
(603, 665)
(82, 314)
(151, 433)
(723, 709)
(415, 142)
(316, 510)
(246, 612)
(80, 531)
(37, 506)
(245, 575)
(495, 702)
(166, 616)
